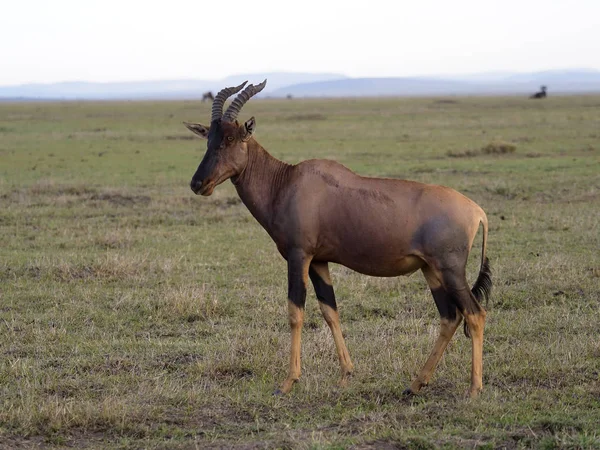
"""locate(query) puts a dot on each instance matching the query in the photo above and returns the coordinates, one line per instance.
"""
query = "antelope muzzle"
(202, 187)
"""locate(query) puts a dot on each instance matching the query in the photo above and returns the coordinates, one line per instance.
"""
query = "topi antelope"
(318, 212)
(541, 94)
(208, 96)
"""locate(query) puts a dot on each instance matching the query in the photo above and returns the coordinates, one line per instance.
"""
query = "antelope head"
(227, 147)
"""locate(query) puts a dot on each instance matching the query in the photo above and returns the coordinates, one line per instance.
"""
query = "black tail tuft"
(482, 289)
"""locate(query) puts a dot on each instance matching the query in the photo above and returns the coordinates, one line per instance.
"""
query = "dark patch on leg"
(447, 307)
(296, 282)
(457, 288)
(444, 303)
(467, 304)
(297, 294)
(323, 290)
(461, 296)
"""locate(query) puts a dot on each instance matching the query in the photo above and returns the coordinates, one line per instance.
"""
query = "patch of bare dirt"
(173, 363)
(121, 199)
(227, 202)
(180, 137)
(309, 116)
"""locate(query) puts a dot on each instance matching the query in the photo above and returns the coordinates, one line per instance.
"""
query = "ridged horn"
(219, 101)
(235, 107)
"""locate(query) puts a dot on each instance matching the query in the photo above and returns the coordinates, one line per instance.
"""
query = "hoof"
(344, 381)
(277, 393)
(286, 387)
(473, 393)
(408, 392)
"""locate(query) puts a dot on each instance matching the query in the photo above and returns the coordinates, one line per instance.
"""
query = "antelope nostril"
(195, 185)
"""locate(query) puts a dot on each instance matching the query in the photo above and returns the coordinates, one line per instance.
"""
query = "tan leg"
(450, 320)
(476, 324)
(447, 330)
(296, 318)
(321, 279)
(298, 263)
(333, 320)
(474, 314)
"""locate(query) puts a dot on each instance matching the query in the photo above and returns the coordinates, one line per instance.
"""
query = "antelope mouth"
(205, 189)
(208, 187)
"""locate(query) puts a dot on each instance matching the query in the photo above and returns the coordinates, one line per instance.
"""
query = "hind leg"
(450, 319)
(474, 314)
(319, 275)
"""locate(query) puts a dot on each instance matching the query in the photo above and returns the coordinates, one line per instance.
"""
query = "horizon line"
(276, 72)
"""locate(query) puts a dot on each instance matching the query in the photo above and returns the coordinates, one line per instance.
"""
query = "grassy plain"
(135, 314)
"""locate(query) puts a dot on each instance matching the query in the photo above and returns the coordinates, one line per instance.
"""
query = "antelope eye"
(230, 138)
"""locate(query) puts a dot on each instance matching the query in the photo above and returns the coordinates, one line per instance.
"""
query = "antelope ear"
(198, 129)
(249, 127)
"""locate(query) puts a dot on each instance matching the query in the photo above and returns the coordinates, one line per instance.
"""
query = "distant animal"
(208, 96)
(541, 94)
(319, 211)
(289, 96)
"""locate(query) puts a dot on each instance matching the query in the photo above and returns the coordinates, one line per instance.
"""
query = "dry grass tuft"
(307, 116)
(493, 148)
(107, 267)
(533, 155)
(119, 199)
(463, 154)
(115, 239)
(51, 187)
(180, 137)
(113, 267)
(192, 302)
(523, 139)
(446, 101)
(498, 148)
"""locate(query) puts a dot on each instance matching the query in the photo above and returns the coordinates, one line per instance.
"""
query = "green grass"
(135, 314)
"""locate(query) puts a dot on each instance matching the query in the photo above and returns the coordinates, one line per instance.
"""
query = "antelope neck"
(259, 184)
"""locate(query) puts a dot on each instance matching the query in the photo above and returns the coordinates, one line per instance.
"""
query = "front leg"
(298, 263)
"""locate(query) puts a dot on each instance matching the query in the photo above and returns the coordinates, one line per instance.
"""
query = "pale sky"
(122, 40)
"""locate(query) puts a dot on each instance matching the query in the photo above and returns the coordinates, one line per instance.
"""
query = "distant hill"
(375, 87)
(282, 84)
(96, 91)
(558, 82)
(278, 80)
(162, 89)
(567, 79)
